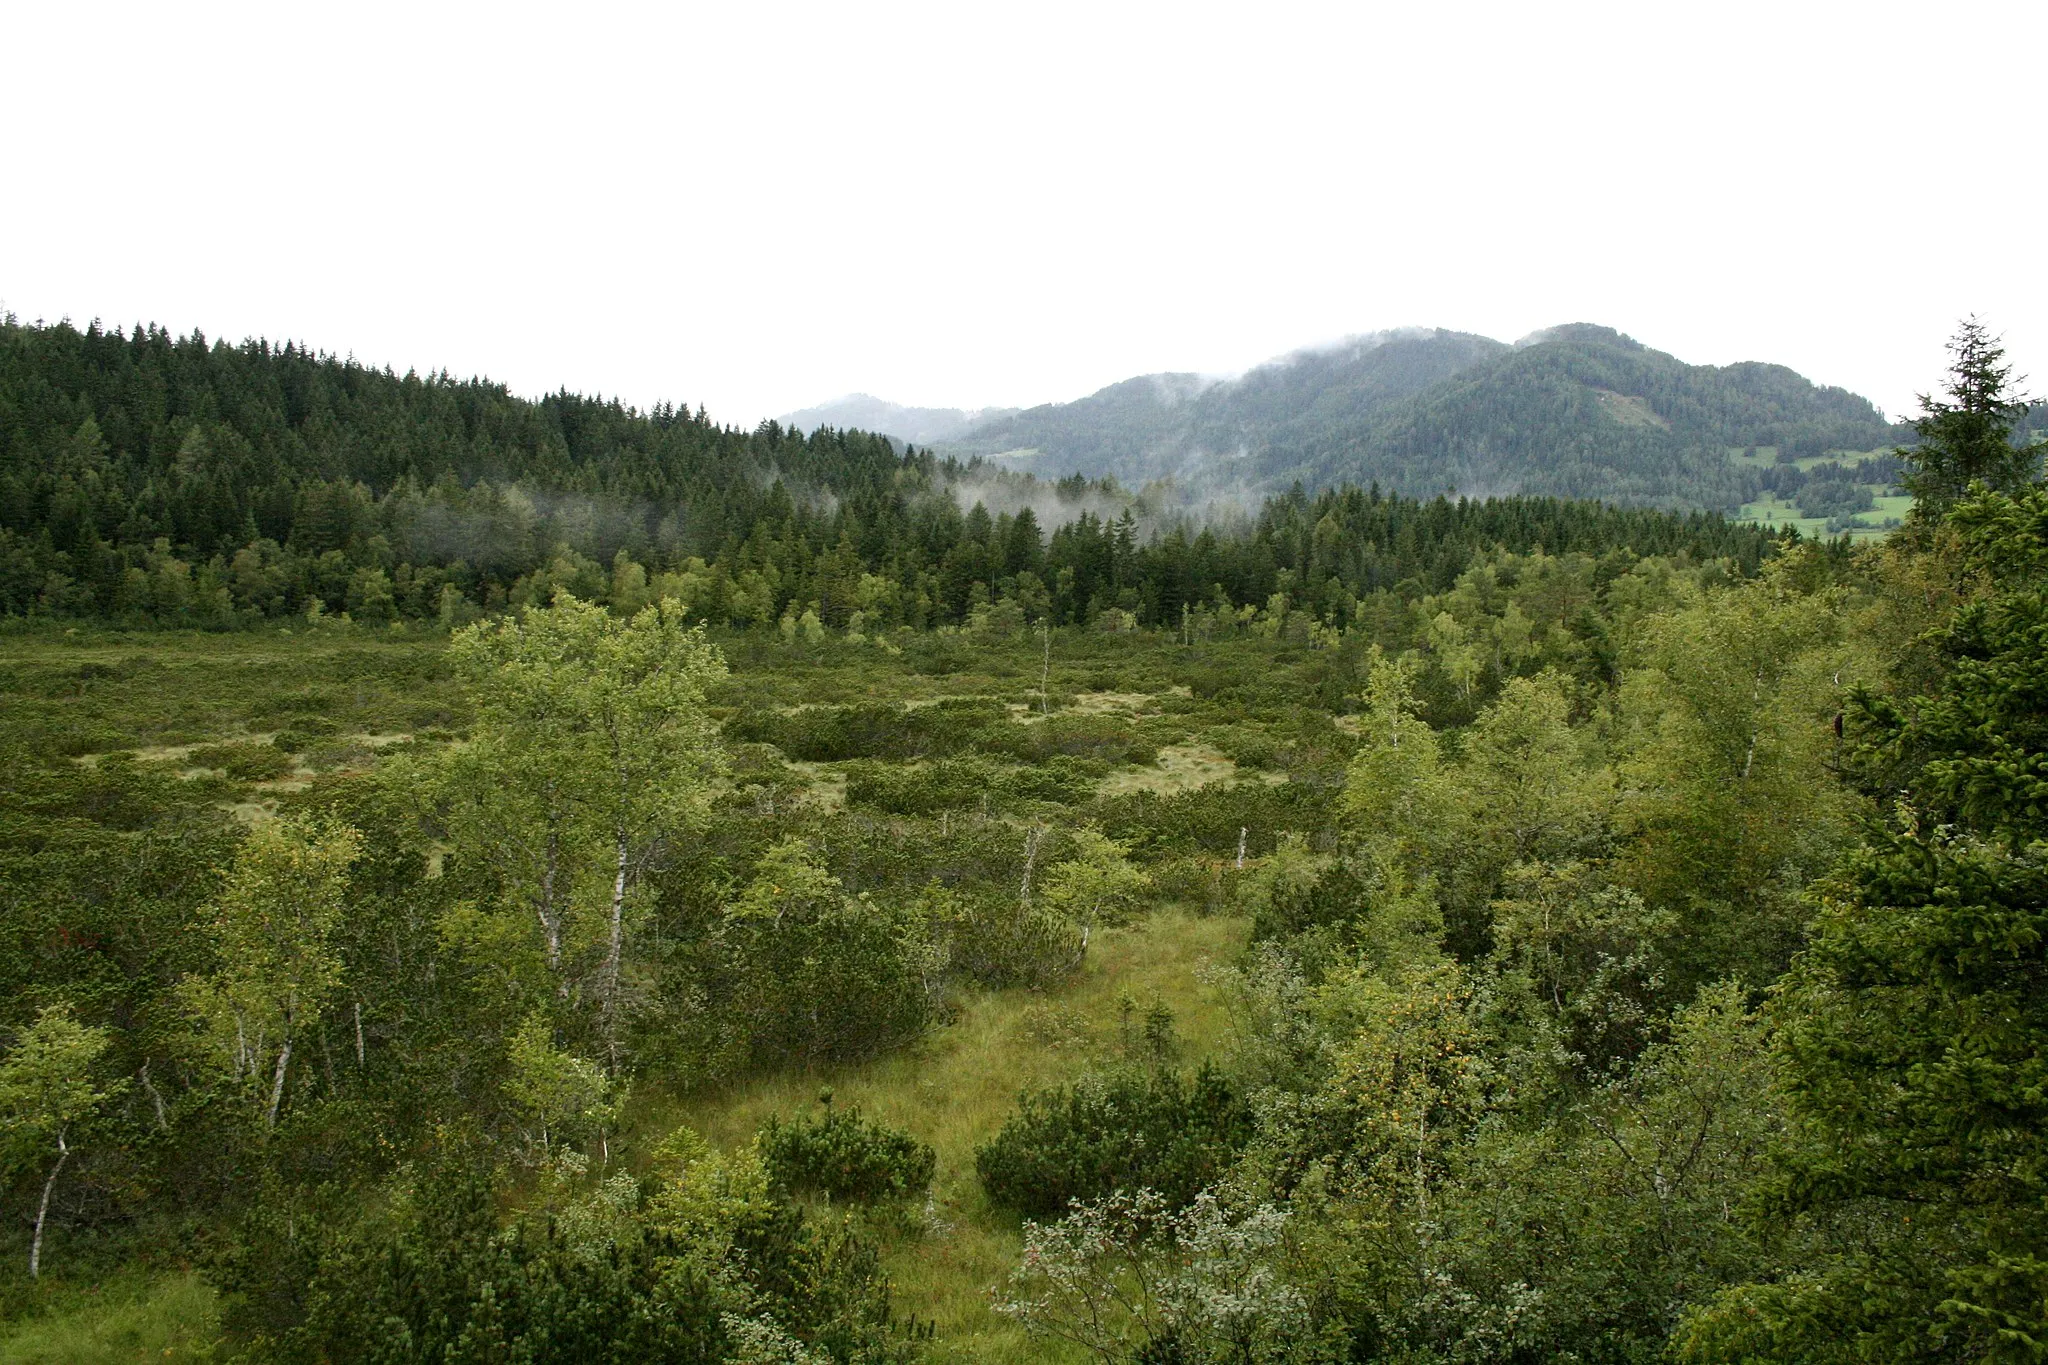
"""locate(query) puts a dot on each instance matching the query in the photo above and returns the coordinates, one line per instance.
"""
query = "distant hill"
(865, 412)
(1577, 411)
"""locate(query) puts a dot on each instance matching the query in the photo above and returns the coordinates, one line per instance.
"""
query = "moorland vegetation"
(1377, 931)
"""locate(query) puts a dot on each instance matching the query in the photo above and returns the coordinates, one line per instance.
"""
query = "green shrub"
(1119, 1131)
(1207, 819)
(967, 784)
(1207, 885)
(1246, 748)
(448, 1283)
(834, 734)
(995, 943)
(1336, 896)
(799, 973)
(1111, 738)
(846, 1155)
(244, 762)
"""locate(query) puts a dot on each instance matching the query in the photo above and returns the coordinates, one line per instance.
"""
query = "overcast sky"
(757, 206)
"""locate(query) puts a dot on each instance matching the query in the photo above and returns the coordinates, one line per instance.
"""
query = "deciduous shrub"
(968, 784)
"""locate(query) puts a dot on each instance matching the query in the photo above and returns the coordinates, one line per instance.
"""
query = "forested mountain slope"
(1203, 431)
(149, 478)
(1577, 411)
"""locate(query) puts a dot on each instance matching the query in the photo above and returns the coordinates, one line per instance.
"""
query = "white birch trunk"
(284, 1057)
(35, 1246)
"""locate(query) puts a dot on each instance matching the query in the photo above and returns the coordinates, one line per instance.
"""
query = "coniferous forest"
(502, 880)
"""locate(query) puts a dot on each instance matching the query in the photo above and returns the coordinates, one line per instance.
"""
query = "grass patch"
(1181, 767)
(133, 1317)
(956, 1087)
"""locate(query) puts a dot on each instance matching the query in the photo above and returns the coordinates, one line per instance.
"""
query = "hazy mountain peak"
(865, 412)
(1582, 332)
(1577, 409)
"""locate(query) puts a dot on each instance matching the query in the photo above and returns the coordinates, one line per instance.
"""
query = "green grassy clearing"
(135, 1316)
(955, 1088)
(1777, 513)
(1766, 457)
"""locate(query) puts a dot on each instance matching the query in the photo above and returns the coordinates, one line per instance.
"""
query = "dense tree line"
(147, 478)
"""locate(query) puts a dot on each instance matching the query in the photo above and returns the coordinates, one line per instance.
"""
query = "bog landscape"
(1432, 850)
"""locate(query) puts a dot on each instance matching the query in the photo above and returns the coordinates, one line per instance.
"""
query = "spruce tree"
(1914, 1030)
(1966, 436)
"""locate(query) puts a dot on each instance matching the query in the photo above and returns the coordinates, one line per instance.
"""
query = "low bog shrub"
(846, 1155)
(1117, 1131)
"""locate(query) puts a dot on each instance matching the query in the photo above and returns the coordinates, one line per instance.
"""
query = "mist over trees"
(147, 478)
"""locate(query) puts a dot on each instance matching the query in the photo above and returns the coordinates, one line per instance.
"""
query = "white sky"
(758, 207)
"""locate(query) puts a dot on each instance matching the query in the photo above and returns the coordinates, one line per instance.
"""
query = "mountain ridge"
(1576, 410)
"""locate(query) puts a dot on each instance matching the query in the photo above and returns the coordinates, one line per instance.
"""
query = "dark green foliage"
(846, 1155)
(445, 1281)
(169, 481)
(1334, 898)
(1967, 436)
(1915, 1027)
(942, 729)
(1838, 497)
(243, 762)
(1123, 1130)
(830, 734)
(1209, 820)
(968, 784)
(821, 979)
(1111, 739)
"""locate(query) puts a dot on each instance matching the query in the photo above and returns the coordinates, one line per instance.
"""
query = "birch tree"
(46, 1091)
(275, 928)
(592, 753)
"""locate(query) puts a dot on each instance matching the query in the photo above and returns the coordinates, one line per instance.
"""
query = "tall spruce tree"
(1966, 435)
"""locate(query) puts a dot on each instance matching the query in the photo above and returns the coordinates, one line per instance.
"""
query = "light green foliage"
(565, 1098)
(1395, 798)
(47, 1082)
(47, 1089)
(1526, 783)
(1097, 884)
(709, 1197)
(592, 754)
(1724, 735)
(274, 929)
